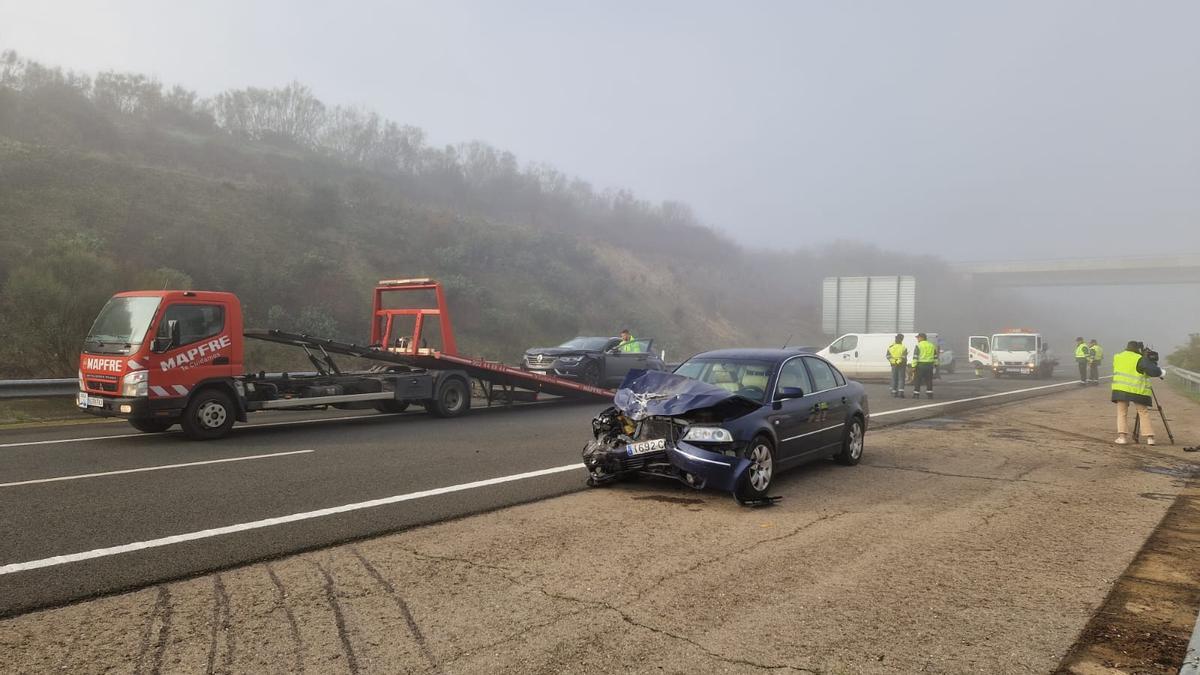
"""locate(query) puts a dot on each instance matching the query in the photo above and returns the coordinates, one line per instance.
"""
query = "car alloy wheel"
(856, 440)
(853, 439)
(762, 467)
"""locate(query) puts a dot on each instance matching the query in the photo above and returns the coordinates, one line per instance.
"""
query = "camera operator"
(1132, 370)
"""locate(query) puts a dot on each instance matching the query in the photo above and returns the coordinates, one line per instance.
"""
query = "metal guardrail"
(1189, 380)
(38, 388)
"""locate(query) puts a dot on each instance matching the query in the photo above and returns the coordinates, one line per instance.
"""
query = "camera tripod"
(1137, 419)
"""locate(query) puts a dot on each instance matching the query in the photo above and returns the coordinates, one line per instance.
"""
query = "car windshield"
(122, 323)
(590, 344)
(744, 378)
(1016, 343)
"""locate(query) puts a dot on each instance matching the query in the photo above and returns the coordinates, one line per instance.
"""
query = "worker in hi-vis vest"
(1095, 356)
(897, 356)
(1081, 359)
(925, 357)
(1132, 370)
(628, 343)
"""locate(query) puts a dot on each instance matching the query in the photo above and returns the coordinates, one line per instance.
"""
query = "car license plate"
(1023, 371)
(644, 447)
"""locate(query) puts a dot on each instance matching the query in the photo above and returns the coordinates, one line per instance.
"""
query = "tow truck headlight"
(136, 383)
(81, 387)
(708, 435)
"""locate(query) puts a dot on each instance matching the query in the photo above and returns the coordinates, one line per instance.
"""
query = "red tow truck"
(160, 358)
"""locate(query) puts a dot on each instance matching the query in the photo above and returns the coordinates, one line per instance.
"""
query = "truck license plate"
(83, 401)
(644, 447)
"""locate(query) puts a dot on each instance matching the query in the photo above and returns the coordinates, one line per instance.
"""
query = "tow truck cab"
(1021, 351)
(150, 353)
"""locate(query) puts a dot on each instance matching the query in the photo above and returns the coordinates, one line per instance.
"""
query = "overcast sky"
(974, 130)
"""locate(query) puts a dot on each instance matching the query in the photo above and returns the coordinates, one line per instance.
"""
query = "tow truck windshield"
(1016, 343)
(122, 325)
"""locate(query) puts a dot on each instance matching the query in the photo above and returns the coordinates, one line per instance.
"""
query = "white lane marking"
(164, 433)
(897, 411)
(256, 425)
(160, 467)
(271, 522)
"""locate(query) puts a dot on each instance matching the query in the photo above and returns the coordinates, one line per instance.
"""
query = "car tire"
(210, 414)
(755, 483)
(853, 438)
(152, 426)
(391, 406)
(453, 399)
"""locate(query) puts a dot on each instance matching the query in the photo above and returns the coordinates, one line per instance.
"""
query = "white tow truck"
(1014, 351)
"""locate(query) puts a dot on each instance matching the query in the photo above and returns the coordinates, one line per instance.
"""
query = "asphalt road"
(63, 506)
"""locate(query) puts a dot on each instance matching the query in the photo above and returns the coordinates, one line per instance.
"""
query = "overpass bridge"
(1166, 269)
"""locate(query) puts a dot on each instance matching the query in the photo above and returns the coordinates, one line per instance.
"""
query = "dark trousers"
(1094, 371)
(898, 373)
(924, 376)
(1083, 368)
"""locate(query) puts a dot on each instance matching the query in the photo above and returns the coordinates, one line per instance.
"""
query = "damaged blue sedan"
(729, 420)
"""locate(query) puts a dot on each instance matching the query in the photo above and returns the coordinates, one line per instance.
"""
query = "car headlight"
(708, 435)
(136, 383)
(81, 387)
(570, 360)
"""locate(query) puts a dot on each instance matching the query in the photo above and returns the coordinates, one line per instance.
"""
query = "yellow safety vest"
(1126, 378)
(1081, 350)
(926, 352)
(897, 354)
(630, 345)
(1097, 354)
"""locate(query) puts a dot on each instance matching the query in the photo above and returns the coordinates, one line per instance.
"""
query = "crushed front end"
(668, 426)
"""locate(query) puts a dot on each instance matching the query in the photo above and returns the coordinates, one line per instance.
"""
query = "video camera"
(1147, 352)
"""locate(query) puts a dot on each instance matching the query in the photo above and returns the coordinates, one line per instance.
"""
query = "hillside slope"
(116, 182)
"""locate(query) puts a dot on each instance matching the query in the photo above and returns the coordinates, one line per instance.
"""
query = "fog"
(969, 131)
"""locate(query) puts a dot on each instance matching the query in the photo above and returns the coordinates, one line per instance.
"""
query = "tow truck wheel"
(757, 479)
(152, 426)
(453, 399)
(210, 414)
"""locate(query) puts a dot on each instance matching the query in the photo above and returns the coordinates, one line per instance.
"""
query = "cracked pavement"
(981, 545)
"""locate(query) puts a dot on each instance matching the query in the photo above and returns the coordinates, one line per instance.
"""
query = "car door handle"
(856, 355)
(843, 400)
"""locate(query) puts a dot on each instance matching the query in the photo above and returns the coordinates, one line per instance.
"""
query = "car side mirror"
(162, 344)
(785, 393)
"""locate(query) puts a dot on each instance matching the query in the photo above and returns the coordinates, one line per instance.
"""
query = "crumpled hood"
(653, 393)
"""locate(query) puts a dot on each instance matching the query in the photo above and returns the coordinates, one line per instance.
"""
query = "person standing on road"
(1132, 370)
(1081, 359)
(1095, 356)
(897, 356)
(925, 358)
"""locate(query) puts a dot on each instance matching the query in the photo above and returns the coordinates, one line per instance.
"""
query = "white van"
(864, 355)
